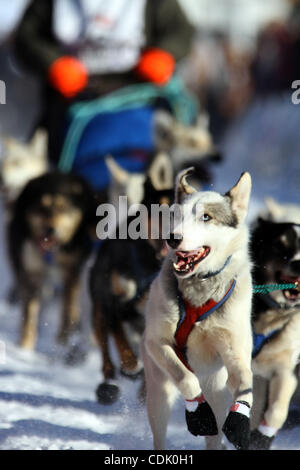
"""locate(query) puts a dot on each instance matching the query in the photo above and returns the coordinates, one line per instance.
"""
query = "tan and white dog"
(276, 327)
(207, 361)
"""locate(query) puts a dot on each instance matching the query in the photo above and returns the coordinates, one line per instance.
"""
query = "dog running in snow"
(276, 324)
(121, 276)
(49, 232)
(198, 337)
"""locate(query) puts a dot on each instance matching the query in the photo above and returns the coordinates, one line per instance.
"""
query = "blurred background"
(244, 58)
(242, 50)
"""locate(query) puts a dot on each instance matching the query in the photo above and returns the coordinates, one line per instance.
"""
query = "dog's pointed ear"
(203, 120)
(161, 172)
(183, 188)
(274, 209)
(164, 125)
(38, 144)
(261, 221)
(240, 195)
(118, 173)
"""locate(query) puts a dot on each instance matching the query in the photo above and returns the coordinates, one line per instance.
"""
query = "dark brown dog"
(119, 284)
(49, 231)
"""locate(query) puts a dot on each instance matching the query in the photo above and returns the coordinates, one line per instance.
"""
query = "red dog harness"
(189, 315)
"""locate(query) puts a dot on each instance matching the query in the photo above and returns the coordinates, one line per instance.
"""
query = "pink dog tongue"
(181, 263)
(185, 257)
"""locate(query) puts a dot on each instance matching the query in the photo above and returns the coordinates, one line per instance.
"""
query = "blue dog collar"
(215, 273)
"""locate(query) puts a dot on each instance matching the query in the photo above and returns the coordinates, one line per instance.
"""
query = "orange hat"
(156, 66)
(68, 75)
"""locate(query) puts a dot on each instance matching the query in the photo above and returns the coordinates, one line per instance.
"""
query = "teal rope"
(267, 288)
(183, 104)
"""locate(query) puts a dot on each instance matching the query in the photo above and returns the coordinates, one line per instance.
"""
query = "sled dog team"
(187, 301)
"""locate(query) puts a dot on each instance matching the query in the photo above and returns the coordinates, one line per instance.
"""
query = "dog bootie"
(259, 441)
(237, 425)
(107, 393)
(200, 418)
(262, 437)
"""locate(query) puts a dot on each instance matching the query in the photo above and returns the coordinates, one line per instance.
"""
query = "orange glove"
(156, 66)
(68, 75)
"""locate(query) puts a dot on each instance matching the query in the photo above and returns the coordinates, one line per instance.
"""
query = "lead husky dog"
(206, 271)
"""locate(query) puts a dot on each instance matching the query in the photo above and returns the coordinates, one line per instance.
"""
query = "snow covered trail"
(45, 404)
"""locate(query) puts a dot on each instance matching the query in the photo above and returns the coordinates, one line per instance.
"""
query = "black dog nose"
(174, 240)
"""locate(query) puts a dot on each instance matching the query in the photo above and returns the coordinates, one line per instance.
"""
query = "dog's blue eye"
(206, 217)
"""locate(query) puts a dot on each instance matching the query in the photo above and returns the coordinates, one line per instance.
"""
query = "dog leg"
(218, 396)
(30, 323)
(107, 392)
(281, 388)
(260, 397)
(101, 334)
(165, 356)
(130, 365)
(237, 361)
(29, 289)
(71, 310)
(160, 396)
(238, 365)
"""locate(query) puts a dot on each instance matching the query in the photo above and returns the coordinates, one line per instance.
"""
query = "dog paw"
(262, 437)
(237, 425)
(200, 418)
(259, 441)
(27, 344)
(134, 373)
(107, 393)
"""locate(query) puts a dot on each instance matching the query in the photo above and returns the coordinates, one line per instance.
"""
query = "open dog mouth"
(47, 242)
(186, 261)
(291, 294)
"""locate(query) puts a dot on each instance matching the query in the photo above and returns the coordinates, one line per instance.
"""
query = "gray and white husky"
(208, 362)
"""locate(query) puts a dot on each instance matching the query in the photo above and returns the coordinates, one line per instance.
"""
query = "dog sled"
(120, 124)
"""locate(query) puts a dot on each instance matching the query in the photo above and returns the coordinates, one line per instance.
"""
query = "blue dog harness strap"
(259, 340)
(189, 315)
(48, 257)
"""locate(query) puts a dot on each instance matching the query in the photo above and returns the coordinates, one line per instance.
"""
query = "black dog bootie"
(107, 393)
(200, 418)
(262, 437)
(259, 441)
(237, 425)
